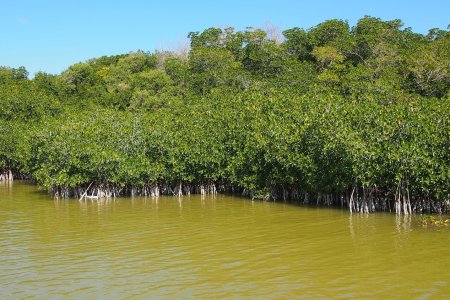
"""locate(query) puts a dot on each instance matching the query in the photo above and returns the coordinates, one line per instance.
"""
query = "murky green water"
(211, 248)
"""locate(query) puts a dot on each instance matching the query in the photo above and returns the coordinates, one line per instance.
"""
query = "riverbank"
(358, 201)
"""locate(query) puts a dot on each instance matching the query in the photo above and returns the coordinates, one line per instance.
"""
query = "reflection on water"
(403, 223)
(202, 247)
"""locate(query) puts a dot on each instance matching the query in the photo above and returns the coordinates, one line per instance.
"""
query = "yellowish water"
(222, 247)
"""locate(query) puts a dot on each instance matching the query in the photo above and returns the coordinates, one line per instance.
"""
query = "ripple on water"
(212, 248)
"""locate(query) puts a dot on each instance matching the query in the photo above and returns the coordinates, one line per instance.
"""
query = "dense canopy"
(331, 115)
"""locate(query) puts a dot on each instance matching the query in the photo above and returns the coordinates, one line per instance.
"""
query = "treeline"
(333, 115)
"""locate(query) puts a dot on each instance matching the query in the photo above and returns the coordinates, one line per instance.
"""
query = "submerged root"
(6, 176)
(358, 199)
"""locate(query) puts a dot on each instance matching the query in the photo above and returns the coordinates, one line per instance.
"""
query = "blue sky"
(45, 35)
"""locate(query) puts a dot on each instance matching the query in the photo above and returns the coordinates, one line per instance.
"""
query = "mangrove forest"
(334, 115)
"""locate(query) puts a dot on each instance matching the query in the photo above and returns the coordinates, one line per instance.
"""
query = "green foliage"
(298, 43)
(9, 75)
(328, 109)
(25, 101)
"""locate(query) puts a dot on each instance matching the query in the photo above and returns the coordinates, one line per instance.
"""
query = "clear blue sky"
(45, 35)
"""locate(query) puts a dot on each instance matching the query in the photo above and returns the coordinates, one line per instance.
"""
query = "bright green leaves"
(102, 146)
(324, 109)
(212, 67)
(428, 68)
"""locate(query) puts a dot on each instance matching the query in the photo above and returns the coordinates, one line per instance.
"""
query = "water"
(222, 247)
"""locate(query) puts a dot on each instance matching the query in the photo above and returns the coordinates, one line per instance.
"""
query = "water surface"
(209, 248)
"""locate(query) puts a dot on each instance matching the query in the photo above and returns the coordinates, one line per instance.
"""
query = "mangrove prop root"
(357, 199)
(6, 175)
